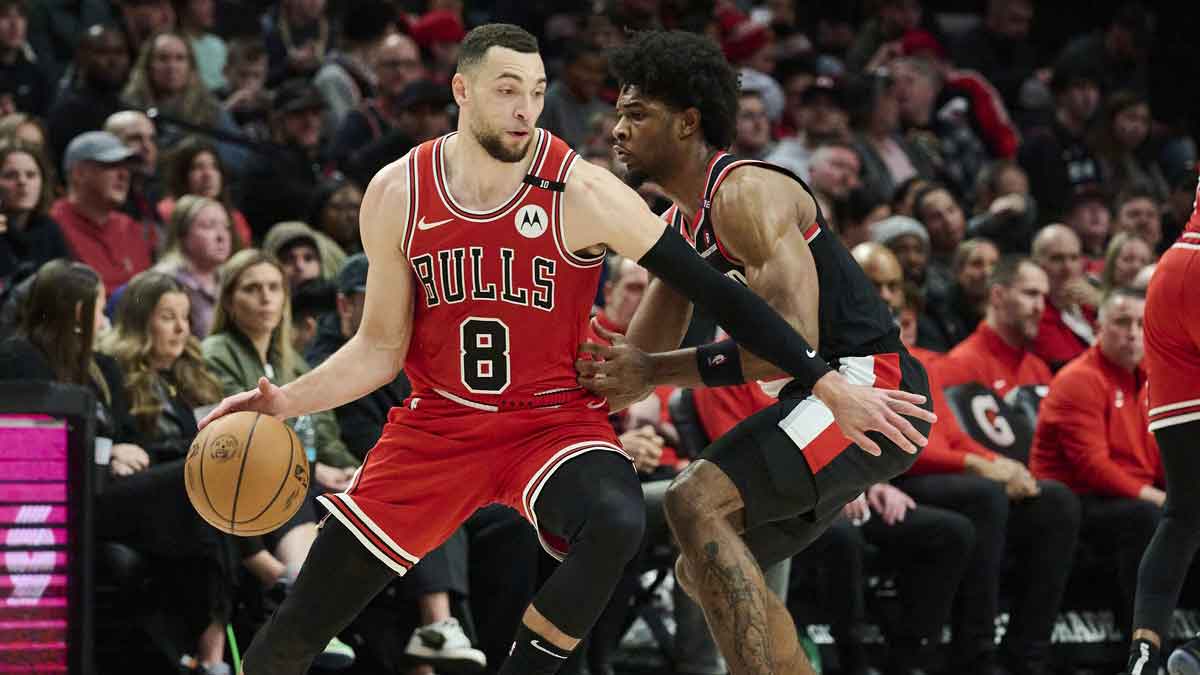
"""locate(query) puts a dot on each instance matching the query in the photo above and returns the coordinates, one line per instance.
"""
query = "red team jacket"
(1091, 432)
(948, 444)
(985, 357)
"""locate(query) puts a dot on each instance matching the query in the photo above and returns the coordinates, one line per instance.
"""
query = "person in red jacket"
(1092, 436)
(1067, 329)
(1035, 522)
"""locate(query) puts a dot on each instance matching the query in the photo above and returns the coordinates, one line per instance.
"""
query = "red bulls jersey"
(500, 305)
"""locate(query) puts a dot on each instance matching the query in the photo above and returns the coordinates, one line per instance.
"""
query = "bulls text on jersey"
(453, 275)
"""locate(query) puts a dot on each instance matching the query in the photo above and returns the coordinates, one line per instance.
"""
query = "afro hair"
(683, 70)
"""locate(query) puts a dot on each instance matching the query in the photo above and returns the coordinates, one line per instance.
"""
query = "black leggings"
(1169, 555)
(593, 501)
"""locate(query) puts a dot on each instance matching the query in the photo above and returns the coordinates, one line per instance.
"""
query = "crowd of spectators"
(179, 189)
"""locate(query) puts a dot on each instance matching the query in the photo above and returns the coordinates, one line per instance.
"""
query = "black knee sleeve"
(594, 502)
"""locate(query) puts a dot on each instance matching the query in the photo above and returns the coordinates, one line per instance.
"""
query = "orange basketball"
(246, 473)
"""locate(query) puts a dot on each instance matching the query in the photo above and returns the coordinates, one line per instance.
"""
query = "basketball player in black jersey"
(768, 488)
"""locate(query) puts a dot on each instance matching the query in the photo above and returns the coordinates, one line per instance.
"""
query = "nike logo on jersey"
(422, 225)
(811, 353)
(539, 647)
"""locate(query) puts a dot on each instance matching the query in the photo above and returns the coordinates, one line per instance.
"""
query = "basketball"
(246, 473)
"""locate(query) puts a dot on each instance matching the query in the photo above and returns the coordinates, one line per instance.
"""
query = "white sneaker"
(445, 646)
(337, 656)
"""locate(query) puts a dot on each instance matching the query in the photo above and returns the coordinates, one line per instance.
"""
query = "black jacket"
(22, 252)
(361, 421)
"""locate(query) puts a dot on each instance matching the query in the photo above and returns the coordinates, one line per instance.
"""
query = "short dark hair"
(1007, 268)
(475, 45)
(683, 70)
(21, 6)
(1135, 191)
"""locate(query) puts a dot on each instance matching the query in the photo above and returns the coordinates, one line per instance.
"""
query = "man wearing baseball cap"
(97, 166)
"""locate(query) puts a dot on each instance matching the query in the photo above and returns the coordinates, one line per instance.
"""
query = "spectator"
(902, 198)
(251, 339)
(1139, 212)
(312, 301)
(397, 65)
(750, 46)
(752, 135)
(197, 20)
(93, 91)
(1178, 207)
(1091, 221)
(823, 117)
(909, 241)
(1005, 211)
(279, 185)
(21, 128)
(23, 80)
(423, 116)
(1000, 48)
(137, 132)
(297, 35)
(940, 118)
(347, 76)
(967, 299)
(334, 212)
(1066, 328)
(29, 237)
(1120, 52)
(199, 241)
(888, 158)
(97, 232)
(833, 173)
(438, 34)
(244, 94)
(193, 167)
(939, 211)
(141, 20)
(1118, 141)
(57, 32)
(878, 38)
(303, 252)
(1044, 525)
(1092, 435)
(1056, 155)
(574, 98)
(856, 215)
(1128, 254)
(145, 506)
(795, 76)
(165, 77)
(883, 269)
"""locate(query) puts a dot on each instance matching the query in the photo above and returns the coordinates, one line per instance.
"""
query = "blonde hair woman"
(251, 338)
(199, 240)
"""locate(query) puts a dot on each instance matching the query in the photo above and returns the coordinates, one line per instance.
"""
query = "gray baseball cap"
(96, 146)
(353, 276)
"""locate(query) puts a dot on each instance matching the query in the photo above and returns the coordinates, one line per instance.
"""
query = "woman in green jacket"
(251, 339)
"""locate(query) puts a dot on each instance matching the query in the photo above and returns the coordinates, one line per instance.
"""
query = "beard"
(635, 178)
(493, 143)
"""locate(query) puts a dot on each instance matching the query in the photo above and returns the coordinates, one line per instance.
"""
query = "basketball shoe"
(446, 647)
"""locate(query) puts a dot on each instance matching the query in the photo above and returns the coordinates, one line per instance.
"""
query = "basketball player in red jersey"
(485, 249)
(767, 489)
(1172, 335)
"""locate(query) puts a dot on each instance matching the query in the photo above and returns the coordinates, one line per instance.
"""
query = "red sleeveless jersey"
(500, 305)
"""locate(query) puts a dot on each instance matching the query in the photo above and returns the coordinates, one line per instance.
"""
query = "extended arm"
(375, 354)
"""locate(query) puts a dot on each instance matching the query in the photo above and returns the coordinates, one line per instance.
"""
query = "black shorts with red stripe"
(795, 469)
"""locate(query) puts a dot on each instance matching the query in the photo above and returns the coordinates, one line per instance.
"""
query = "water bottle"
(306, 430)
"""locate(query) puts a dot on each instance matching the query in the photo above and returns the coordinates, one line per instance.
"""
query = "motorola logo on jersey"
(531, 221)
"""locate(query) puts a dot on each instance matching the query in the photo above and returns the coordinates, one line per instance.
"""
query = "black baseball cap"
(296, 95)
(353, 276)
(424, 92)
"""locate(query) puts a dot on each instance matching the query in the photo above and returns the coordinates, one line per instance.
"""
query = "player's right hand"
(859, 409)
(267, 399)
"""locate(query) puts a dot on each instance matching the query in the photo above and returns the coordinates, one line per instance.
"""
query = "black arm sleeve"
(748, 318)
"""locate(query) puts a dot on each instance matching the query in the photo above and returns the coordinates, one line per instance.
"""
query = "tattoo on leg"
(738, 608)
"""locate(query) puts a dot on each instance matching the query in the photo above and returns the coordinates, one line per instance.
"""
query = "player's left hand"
(890, 502)
(859, 409)
(620, 372)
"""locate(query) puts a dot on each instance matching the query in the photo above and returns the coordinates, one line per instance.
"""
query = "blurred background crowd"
(179, 191)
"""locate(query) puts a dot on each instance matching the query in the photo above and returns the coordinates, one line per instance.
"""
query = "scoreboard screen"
(45, 467)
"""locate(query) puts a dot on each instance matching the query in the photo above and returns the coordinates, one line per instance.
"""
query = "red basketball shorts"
(438, 461)
(1173, 335)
